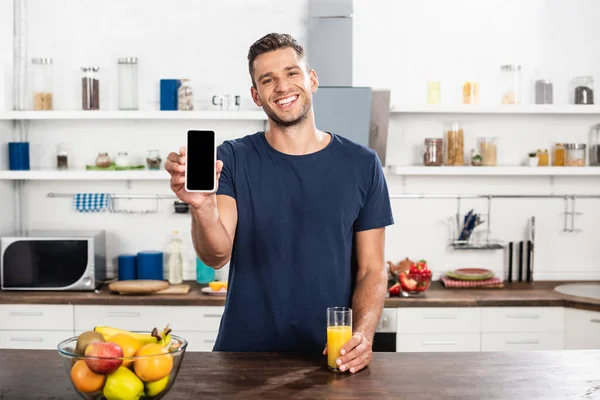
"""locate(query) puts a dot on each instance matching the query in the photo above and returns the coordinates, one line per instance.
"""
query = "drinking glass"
(339, 332)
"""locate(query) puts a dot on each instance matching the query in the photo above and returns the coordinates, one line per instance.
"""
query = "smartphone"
(201, 159)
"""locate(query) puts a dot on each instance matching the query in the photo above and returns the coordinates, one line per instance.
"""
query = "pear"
(123, 384)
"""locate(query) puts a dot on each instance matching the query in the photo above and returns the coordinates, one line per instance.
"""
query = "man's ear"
(255, 97)
(314, 80)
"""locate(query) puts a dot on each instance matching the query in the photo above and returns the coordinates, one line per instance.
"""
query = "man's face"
(284, 87)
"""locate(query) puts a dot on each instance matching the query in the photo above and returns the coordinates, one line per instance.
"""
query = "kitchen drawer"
(522, 319)
(438, 342)
(582, 329)
(145, 318)
(36, 317)
(42, 340)
(435, 320)
(521, 341)
(200, 341)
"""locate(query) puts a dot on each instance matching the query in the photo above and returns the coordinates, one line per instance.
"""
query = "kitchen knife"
(521, 261)
(510, 261)
(530, 280)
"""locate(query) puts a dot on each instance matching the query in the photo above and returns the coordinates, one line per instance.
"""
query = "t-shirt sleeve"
(226, 180)
(377, 210)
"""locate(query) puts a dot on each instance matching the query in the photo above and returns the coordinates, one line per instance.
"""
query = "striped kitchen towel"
(91, 202)
(494, 282)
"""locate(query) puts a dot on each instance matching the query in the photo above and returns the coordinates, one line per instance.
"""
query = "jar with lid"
(575, 155)
(103, 160)
(583, 90)
(43, 83)
(543, 91)
(122, 160)
(511, 84)
(62, 161)
(128, 83)
(487, 151)
(559, 155)
(454, 143)
(433, 92)
(470, 92)
(594, 143)
(90, 88)
(434, 152)
(543, 157)
(185, 96)
(153, 160)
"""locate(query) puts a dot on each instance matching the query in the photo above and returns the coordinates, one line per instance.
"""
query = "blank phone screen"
(200, 160)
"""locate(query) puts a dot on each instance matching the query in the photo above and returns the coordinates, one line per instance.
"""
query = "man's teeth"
(286, 101)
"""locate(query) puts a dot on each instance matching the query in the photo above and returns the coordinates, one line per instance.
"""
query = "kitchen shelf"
(493, 171)
(135, 115)
(508, 109)
(84, 175)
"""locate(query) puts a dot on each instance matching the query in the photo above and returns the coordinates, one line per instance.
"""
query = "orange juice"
(337, 337)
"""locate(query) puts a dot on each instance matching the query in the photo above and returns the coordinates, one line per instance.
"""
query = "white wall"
(7, 205)
(403, 44)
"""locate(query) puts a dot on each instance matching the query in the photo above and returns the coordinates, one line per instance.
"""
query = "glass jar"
(454, 142)
(43, 83)
(153, 160)
(128, 83)
(433, 93)
(543, 91)
(558, 160)
(487, 151)
(434, 152)
(122, 160)
(103, 160)
(185, 96)
(543, 157)
(511, 85)
(575, 155)
(90, 89)
(470, 92)
(62, 160)
(583, 90)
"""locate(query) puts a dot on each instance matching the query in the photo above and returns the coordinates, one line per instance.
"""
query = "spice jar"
(583, 90)
(575, 155)
(487, 151)
(128, 83)
(543, 157)
(470, 92)
(43, 78)
(122, 160)
(62, 161)
(434, 152)
(454, 142)
(103, 160)
(185, 96)
(543, 89)
(90, 89)
(433, 92)
(153, 160)
(558, 160)
(511, 84)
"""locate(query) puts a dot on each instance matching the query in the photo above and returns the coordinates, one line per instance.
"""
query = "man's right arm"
(213, 230)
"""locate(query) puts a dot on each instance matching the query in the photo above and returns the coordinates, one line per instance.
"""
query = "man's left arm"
(368, 299)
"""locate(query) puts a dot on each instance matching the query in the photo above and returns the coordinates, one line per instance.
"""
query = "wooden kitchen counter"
(40, 374)
(539, 294)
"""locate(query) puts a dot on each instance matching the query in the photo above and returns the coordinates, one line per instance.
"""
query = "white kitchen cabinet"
(200, 341)
(32, 339)
(582, 329)
(521, 341)
(145, 318)
(522, 319)
(34, 317)
(439, 320)
(437, 342)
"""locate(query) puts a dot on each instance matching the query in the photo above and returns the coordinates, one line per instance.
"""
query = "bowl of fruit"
(113, 364)
(412, 282)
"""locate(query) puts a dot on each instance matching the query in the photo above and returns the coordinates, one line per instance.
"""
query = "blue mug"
(18, 156)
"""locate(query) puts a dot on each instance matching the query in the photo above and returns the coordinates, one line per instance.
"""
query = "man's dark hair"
(272, 42)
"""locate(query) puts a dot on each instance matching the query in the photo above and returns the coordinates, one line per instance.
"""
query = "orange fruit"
(128, 343)
(155, 367)
(216, 286)
(84, 379)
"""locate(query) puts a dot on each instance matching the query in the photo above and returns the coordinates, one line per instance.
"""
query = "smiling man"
(299, 213)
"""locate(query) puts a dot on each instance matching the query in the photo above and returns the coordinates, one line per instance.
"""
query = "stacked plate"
(471, 278)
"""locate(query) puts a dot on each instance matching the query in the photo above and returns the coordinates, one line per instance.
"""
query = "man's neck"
(297, 140)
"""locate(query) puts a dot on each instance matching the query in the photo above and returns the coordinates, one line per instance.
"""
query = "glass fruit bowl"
(104, 369)
(413, 284)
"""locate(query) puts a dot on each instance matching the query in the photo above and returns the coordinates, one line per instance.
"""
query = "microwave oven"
(69, 260)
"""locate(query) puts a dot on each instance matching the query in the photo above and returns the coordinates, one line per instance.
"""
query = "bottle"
(175, 263)
(62, 161)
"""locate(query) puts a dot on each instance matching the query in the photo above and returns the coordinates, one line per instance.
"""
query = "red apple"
(108, 354)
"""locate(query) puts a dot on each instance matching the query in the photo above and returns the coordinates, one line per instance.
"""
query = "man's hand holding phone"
(176, 166)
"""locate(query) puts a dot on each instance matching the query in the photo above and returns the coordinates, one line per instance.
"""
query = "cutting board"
(138, 286)
(175, 289)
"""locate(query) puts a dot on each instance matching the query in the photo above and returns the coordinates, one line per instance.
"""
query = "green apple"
(123, 384)
(154, 388)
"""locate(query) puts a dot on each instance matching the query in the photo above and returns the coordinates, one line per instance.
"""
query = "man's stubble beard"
(286, 124)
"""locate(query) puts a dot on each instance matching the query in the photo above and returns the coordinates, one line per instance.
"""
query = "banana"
(108, 331)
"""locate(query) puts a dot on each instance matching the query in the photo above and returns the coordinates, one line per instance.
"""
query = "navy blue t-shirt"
(293, 248)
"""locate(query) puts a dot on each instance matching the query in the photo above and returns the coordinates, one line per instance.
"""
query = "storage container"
(487, 151)
(576, 155)
(543, 157)
(128, 83)
(470, 92)
(511, 84)
(43, 83)
(434, 152)
(543, 91)
(185, 96)
(433, 93)
(583, 90)
(454, 143)
(558, 159)
(90, 88)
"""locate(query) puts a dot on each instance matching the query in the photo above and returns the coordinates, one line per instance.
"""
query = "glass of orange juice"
(339, 332)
